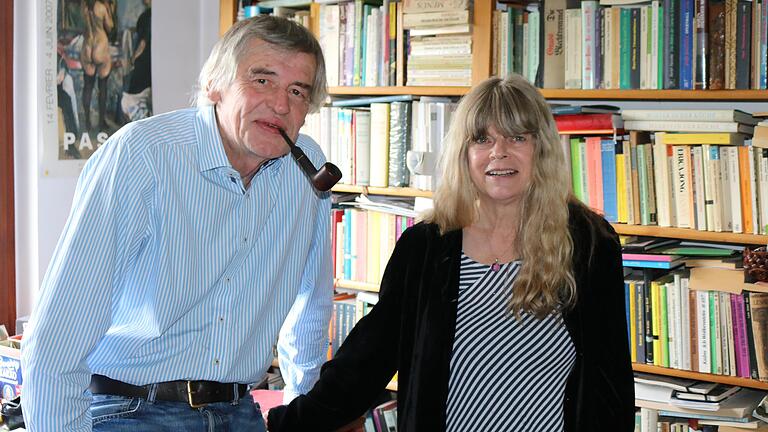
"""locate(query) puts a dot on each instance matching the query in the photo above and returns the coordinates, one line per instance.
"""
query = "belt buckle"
(190, 397)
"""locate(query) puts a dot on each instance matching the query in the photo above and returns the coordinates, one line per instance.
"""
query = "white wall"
(183, 32)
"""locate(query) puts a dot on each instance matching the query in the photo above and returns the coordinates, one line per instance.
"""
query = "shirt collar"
(211, 154)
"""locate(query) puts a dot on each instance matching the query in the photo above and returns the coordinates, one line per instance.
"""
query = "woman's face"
(500, 167)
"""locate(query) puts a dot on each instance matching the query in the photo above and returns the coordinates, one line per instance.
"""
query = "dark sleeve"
(364, 364)
(609, 390)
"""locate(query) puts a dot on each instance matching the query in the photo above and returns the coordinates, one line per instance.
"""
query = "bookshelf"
(482, 47)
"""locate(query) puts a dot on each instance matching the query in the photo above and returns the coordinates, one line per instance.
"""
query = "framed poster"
(96, 76)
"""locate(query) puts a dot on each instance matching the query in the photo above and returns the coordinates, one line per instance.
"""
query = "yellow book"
(723, 138)
(656, 320)
(621, 189)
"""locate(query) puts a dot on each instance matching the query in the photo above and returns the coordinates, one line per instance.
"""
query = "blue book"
(686, 44)
(369, 100)
(608, 159)
(652, 264)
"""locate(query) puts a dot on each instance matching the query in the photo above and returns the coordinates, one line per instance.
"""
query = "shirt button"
(245, 239)
(216, 362)
(221, 319)
(227, 280)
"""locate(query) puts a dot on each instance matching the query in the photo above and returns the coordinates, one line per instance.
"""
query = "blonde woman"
(504, 309)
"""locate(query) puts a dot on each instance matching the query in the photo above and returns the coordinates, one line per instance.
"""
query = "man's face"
(271, 90)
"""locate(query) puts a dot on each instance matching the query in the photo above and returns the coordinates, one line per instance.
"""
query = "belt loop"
(235, 394)
(152, 393)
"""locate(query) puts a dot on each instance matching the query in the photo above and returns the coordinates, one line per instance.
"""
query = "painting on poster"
(96, 72)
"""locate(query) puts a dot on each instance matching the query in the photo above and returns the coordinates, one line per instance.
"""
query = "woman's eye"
(482, 140)
(519, 138)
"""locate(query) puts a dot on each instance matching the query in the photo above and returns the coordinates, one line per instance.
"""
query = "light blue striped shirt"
(169, 269)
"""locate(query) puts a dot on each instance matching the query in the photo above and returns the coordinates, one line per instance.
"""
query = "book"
(687, 126)
(653, 264)
(716, 394)
(415, 6)
(365, 101)
(565, 109)
(722, 138)
(582, 122)
(644, 244)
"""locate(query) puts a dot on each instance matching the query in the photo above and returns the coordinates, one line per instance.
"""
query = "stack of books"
(440, 43)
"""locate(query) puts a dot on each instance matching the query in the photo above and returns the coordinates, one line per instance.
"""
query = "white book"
(762, 186)
(683, 188)
(686, 323)
(711, 187)
(372, 48)
(362, 126)
(702, 326)
(329, 41)
(534, 24)
(379, 156)
(661, 178)
(725, 191)
(653, 70)
(709, 115)
(734, 187)
(588, 36)
(697, 171)
(686, 126)
(717, 337)
(608, 41)
(673, 323)
(573, 48)
(649, 420)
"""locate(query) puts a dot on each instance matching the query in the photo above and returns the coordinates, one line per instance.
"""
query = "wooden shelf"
(370, 190)
(644, 95)
(690, 234)
(399, 90)
(730, 380)
(665, 95)
(355, 285)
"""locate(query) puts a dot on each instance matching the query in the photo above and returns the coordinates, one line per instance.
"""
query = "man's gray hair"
(220, 70)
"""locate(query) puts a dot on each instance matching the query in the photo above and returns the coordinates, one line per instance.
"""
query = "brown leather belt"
(195, 393)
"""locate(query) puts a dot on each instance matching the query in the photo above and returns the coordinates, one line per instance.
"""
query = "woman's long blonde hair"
(513, 106)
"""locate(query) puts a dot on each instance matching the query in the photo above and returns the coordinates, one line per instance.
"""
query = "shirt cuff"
(288, 396)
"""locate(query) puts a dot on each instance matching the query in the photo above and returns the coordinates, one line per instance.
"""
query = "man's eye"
(261, 81)
(298, 93)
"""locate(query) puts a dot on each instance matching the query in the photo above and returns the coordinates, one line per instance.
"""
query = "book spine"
(743, 44)
(686, 44)
(716, 18)
(701, 77)
(671, 44)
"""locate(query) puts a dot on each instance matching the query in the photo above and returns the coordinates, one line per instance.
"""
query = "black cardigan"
(411, 330)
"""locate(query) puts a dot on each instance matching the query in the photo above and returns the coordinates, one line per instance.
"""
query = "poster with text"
(96, 72)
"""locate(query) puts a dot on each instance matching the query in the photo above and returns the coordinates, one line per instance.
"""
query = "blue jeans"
(124, 414)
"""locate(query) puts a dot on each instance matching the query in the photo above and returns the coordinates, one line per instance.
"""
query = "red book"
(588, 122)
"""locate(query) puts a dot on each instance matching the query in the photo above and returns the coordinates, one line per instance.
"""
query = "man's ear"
(214, 95)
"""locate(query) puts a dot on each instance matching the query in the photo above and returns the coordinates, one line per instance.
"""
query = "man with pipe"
(194, 243)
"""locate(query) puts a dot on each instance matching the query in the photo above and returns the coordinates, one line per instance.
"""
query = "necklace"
(496, 266)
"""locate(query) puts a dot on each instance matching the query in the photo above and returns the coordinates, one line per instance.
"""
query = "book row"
(392, 144)
(363, 241)
(659, 44)
(673, 325)
(640, 179)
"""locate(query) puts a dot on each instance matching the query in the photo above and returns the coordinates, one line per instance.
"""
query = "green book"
(664, 330)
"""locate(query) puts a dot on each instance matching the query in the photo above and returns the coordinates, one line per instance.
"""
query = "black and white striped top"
(505, 375)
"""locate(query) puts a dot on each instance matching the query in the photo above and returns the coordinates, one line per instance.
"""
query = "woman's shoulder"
(582, 219)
